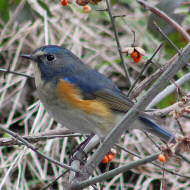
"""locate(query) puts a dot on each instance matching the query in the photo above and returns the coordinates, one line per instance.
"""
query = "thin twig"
(183, 157)
(165, 36)
(101, 9)
(168, 90)
(145, 66)
(154, 142)
(163, 177)
(166, 18)
(180, 127)
(16, 73)
(118, 43)
(115, 16)
(154, 163)
(137, 90)
(106, 170)
(24, 142)
(116, 171)
(53, 181)
(12, 19)
(34, 139)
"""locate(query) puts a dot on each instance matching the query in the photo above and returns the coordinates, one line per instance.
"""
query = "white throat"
(38, 80)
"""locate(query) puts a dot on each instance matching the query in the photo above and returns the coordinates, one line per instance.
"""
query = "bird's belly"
(73, 118)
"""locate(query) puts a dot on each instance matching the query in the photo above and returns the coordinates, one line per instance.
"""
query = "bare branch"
(134, 112)
(118, 43)
(165, 18)
(168, 90)
(24, 142)
(116, 171)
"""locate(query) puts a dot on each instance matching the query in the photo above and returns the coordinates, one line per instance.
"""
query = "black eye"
(50, 57)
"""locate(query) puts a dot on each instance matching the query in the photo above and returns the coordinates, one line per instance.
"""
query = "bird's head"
(52, 61)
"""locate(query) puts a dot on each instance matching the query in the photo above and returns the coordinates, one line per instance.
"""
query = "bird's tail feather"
(153, 128)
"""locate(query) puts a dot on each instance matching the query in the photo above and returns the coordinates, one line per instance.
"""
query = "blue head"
(53, 61)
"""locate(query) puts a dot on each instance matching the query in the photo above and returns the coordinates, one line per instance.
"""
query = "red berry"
(64, 2)
(105, 160)
(161, 158)
(86, 9)
(137, 59)
(110, 156)
(134, 54)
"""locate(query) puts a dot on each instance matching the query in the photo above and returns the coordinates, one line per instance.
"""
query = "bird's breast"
(68, 93)
(65, 104)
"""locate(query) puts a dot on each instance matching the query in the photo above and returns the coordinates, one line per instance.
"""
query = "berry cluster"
(109, 157)
(84, 3)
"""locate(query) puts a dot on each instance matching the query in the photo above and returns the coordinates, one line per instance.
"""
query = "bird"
(80, 98)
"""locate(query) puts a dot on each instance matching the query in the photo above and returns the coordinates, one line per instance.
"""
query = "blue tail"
(153, 128)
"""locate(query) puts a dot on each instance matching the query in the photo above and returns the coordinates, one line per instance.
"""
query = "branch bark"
(166, 18)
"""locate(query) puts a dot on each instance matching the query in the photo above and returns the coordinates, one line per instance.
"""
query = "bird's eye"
(50, 57)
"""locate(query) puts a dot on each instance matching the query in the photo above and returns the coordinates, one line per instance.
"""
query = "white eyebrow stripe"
(39, 53)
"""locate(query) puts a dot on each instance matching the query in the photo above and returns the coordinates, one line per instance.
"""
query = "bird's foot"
(80, 156)
(78, 152)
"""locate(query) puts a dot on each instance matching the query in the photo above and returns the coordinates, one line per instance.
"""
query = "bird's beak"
(27, 56)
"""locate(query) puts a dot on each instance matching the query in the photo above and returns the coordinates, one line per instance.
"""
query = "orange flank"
(71, 95)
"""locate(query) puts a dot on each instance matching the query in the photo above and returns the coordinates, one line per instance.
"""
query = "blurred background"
(28, 24)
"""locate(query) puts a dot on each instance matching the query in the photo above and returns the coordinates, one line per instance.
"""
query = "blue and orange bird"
(79, 97)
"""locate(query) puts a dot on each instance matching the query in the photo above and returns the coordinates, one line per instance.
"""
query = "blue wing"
(94, 85)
